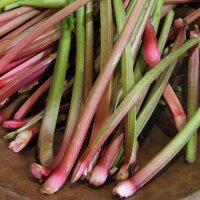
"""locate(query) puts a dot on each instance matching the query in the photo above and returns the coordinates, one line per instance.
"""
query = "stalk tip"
(124, 189)
(98, 176)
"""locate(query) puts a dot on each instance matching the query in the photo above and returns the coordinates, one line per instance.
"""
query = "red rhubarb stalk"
(150, 47)
(24, 65)
(15, 124)
(41, 29)
(57, 179)
(6, 16)
(101, 170)
(27, 106)
(30, 23)
(29, 75)
(175, 107)
(17, 22)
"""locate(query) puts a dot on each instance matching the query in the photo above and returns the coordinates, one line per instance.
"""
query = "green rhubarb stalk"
(42, 3)
(158, 88)
(4, 3)
(130, 186)
(77, 93)
(193, 88)
(127, 85)
(131, 99)
(89, 51)
(48, 125)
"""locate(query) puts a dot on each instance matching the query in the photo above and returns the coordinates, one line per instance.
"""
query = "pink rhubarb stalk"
(6, 16)
(29, 86)
(29, 24)
(32, 60)
(58, 177)
(152, 57)
(175, 107)
(15, 124)
(27, 106)
(150, 47)
(29, 75)
(101, 170)
(17, 22)
(39, 30)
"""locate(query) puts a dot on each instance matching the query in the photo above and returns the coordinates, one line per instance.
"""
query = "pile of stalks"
(96, 71)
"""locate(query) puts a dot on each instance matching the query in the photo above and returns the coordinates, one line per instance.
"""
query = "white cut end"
(124, 189)
(99, 176)
(20, 141)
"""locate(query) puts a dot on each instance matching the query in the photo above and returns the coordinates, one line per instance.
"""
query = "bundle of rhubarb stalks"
(96, 71)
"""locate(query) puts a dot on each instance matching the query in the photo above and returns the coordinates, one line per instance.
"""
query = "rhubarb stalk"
(54, 97)
(193, 88)
(133, 97)
(130, 186)
(39, 30)
(101, 170)
(26, 107)
(89, 51)
(103, 110)
(127, 85)
(57, 179)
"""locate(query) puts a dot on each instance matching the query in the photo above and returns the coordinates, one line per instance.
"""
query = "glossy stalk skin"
(29, 75)
(193, 93)
(101, 170)
(127, 85)
(39, 30)
(15, 124)
(80, 167)
(42, 3)
(132, 98)
(30, 102)
(6, 16)
(130, 186)
(57, 179)
(9, 110)
(159, 87)
(46, 135)
(150, 47)
(17, 22)
(89, 51)
(103, 110)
